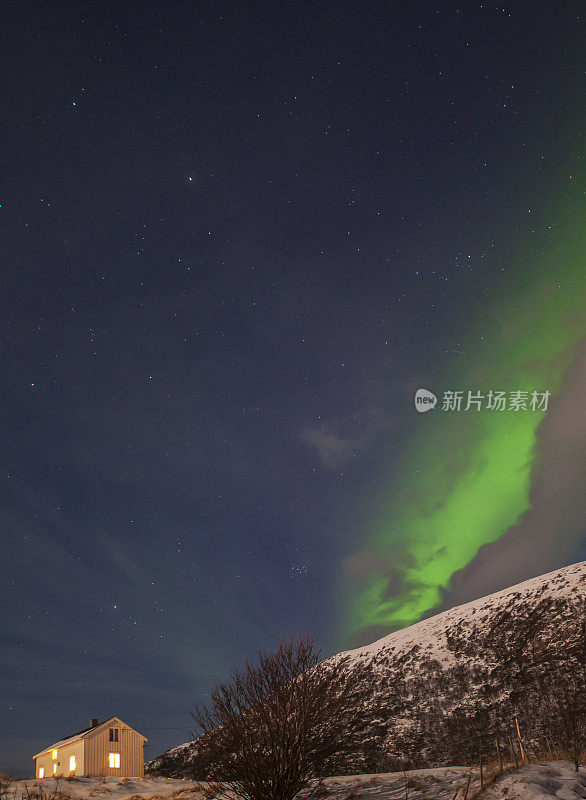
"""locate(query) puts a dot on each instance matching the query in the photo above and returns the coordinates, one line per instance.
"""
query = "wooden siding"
(64, 753)
(92, 754)
(130, 746)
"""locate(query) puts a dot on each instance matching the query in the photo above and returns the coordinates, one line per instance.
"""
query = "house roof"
(72, 737)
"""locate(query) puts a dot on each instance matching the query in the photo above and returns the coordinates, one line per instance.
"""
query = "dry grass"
(415, 783)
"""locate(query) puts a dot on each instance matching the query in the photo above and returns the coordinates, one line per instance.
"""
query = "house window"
(42, 772)
(72, 763)
(114, 760)
(113, 734)
(54, 769)
(54, 755)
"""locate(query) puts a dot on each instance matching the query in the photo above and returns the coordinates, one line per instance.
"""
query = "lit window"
(114, 760)
(54, 768)
(72, 763)
(42, 772)
(54, 755)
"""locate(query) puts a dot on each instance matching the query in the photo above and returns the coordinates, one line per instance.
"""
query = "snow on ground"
(540, 781)
(534, 782)
(429, 634)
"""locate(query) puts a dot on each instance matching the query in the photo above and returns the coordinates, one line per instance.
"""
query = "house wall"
(129, 745)
(62, 761)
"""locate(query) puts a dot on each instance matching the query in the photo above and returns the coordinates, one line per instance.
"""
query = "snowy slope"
(540, 782)
(430, 634)
(438, 691)
(532, 782)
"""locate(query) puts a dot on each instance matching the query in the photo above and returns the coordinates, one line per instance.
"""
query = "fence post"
(513, 751)
(481, 774)
(498, 751)
(523, 755)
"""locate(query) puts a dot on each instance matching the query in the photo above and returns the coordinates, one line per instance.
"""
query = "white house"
(109, 748)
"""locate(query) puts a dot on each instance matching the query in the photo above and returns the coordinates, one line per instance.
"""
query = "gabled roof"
(73, 737)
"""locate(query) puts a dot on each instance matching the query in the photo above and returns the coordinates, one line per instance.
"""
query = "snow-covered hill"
(533, 782)
(441, 690)
(432, 635)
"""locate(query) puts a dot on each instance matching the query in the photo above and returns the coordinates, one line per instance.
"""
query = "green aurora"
(465, 476)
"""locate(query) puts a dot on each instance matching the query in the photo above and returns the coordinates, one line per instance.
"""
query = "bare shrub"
(320, 791)
(38, 792)
(415, 783)
(5, 786)
(268, 728)
(566, 704)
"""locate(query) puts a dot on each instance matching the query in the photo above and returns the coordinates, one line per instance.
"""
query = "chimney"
(93, 723)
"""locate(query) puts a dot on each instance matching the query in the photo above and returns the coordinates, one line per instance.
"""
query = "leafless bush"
(320, 791)
(270, 725)
(5, 785)
(566, 705)
(559, 698)
(38, 792)
(415, 783)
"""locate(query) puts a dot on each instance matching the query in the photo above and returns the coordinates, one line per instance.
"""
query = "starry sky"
(236, 238)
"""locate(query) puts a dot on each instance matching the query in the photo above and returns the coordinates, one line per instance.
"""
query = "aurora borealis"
(466, 476)
(236, 240)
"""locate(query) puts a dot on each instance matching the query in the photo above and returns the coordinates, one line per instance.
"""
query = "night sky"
(236, 238)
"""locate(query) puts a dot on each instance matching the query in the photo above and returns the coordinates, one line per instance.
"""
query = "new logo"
(425, 400)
